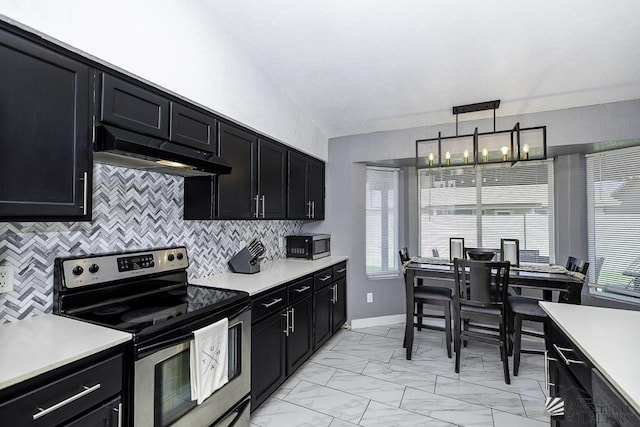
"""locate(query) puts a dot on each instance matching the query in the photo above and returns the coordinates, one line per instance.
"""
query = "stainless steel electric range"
(147, 294)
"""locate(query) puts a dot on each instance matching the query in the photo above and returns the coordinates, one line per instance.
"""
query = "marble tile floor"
(361, 378)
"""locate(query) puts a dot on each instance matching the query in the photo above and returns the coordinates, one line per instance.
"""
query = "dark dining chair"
(431, 295)
(527, 308)
(480, 296)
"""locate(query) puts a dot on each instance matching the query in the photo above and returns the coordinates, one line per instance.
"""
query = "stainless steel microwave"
(308, 246)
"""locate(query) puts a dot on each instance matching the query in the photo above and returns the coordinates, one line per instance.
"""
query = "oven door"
(162, 382)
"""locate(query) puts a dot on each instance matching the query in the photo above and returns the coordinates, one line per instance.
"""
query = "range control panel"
(93, 269)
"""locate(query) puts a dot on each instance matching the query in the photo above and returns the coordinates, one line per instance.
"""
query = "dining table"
(543, 277)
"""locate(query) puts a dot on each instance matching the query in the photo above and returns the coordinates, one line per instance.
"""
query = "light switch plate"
(369, 297)
(6, 278)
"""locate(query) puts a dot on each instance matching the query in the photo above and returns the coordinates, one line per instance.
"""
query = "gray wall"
(345, 215)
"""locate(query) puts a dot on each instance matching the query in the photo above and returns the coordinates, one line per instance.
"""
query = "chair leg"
(517, 343)
(420, 313)
(447, 327)
(456, 343)
(503, 348)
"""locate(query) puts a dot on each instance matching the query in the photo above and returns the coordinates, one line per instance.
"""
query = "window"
(485, 204)
(382, 222)
(613, 201)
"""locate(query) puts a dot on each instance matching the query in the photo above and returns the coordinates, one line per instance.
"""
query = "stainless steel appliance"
(146, 293)
(308, 246)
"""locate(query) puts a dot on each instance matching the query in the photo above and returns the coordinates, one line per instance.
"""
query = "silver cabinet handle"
(325, 278)
(564, 358)
(275, 301)
(286, 327)
(547, 359)
(257, 214)
(313, 209)
(119, 411)
(262, 206)
(42, 412)
(293, 320)
(334, 294)
(85, 193)
(342, 270)
(308, 209)
(302, 289)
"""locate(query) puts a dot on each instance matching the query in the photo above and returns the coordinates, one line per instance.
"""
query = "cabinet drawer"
(339, 270)
(66, 397)
(300, 289)
(267, 304)
(323, 278)
(131, 107)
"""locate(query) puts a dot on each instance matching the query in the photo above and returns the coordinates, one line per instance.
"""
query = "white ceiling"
(358, 66)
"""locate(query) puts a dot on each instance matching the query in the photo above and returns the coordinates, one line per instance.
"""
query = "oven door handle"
(145, 349)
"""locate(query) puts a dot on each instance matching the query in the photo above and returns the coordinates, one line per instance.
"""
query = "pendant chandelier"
(480, 148)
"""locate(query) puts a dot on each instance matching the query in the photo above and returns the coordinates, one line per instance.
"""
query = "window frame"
(392, 252)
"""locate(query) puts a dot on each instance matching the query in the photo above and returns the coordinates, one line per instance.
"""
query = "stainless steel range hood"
(119, 147)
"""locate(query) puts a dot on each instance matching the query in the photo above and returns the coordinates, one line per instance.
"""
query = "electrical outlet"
(369, 297)
(6, 278)
(280, 242)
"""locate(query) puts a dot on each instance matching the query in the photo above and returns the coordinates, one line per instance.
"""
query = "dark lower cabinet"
(339, 305)
(83, 393)
(290, 323)
(323, 305)
(45, 139)
(588, 398)
(300, 338)
(268, 357)
(107, 415)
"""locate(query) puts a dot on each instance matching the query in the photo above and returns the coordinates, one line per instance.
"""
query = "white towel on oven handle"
(209, 366)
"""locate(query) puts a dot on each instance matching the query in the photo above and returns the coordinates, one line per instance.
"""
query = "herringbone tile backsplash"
(131, 210)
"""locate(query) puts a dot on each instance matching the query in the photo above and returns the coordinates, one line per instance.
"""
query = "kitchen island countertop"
(40, 344)
(272, 274)
(608, 337)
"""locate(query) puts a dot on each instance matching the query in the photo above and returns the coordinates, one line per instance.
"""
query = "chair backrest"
(577, 265)
(481, 283)
(404, 255)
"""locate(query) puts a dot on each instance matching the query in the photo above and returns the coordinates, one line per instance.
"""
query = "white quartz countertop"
(609, 338)
(33, 346)
(271, 274)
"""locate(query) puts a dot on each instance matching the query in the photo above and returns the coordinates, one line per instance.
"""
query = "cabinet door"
(193, 128)
(322, 322)
(315, 179)
(237, 191)
(44, 133)
(300, 339)
(297, 207)
(132, 107)
(268, 356)
(339, 305)
(272, 180)
(107, 415)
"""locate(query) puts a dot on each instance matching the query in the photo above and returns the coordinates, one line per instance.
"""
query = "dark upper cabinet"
(305, 192)
(272, 180)
(256, 187)
(132, 107)
(193, 128)
(44, 133)
(237, 191)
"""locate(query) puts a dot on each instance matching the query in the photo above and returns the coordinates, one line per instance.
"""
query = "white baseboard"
(377, 321)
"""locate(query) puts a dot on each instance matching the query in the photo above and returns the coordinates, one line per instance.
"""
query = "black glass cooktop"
(153, 310)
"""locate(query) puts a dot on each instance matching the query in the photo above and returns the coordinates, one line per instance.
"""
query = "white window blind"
(613, 200)
(382, 222)
(485, 204)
